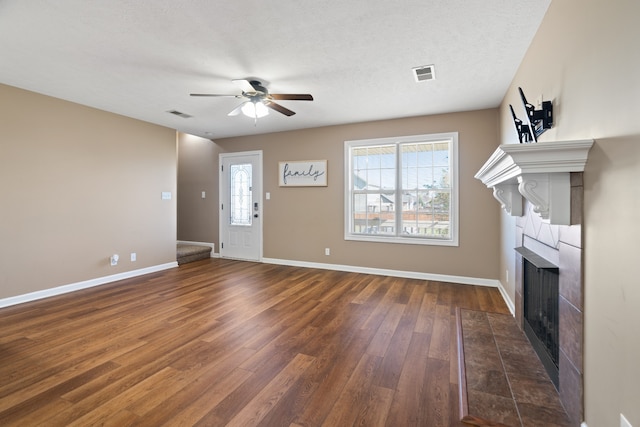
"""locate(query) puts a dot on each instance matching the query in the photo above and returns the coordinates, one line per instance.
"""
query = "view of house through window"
(402, 189)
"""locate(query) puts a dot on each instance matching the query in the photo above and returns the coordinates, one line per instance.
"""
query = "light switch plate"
(166, 195)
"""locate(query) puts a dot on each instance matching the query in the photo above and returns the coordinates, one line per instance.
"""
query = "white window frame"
(452, 137)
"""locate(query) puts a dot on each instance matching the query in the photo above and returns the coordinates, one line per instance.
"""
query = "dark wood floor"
(220, 342)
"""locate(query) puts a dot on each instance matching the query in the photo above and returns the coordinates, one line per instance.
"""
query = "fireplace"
(540, 185)
(552, 255)
(541, 320)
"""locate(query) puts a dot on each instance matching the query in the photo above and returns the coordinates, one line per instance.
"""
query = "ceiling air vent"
(424, 73)
(179, 114)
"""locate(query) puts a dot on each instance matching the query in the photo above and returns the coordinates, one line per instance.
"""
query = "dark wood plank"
(441, 333)
(436, 395)
(407, 405)
(270, 395)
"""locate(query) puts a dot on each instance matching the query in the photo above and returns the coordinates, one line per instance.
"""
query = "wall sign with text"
(308, 173)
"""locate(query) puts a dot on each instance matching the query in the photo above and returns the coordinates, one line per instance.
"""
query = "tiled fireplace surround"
(562, 245)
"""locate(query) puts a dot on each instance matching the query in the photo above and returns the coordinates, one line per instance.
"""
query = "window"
(402, 190)
(240, 190)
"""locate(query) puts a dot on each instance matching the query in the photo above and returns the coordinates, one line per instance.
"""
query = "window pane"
(373, 213)
(441, 203)
(240, 181)
(359, 158)
(359, 180)
(360, 203)
(441, 177)
(425, 178)
(429, 218)
(409, 178)
(388, 179)
(373, 179)
(374, 167)
(425, 156)
(388, 157)
(373, 160)
(409, 155)
(441, 154)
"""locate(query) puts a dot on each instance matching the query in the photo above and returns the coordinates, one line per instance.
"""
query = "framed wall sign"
(308, 173)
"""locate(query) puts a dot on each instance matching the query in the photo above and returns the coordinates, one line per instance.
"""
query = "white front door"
(241, 205)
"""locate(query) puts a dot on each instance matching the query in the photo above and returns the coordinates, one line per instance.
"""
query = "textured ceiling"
(142, 58)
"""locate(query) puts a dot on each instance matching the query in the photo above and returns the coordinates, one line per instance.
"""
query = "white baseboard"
(510, 304)
(45, 293)
(399, 273)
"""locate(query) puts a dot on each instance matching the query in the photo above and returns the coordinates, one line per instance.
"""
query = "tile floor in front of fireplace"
(506, 382)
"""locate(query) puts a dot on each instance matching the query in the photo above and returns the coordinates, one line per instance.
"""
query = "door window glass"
(240, 192)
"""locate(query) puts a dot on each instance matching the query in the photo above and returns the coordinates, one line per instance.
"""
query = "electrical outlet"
(507, 275)
(114, 259)
(327, 251)
(624, 422)
(133, 256)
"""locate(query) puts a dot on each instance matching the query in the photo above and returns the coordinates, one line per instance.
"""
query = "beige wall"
(585, 58)
(300, 222)
(77, 186)
(197, 172)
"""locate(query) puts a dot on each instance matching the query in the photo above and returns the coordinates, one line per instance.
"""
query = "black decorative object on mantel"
(539, 120)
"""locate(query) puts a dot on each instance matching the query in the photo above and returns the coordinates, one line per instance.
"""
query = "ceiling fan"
(259, 100)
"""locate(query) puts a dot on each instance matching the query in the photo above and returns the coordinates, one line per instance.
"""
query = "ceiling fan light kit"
(259, 100)
(254, 109)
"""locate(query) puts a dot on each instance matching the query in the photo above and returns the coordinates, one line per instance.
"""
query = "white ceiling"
(142, 58)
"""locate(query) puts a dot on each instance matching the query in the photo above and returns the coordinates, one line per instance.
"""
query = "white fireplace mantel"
(539, 172)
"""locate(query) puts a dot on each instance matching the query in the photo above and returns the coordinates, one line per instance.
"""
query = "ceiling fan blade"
(291, 97)
(237, 110)
(210, 94)
(245, 85)
(279, 108)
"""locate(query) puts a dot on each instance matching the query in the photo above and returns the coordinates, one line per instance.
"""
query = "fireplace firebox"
(540, 311)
